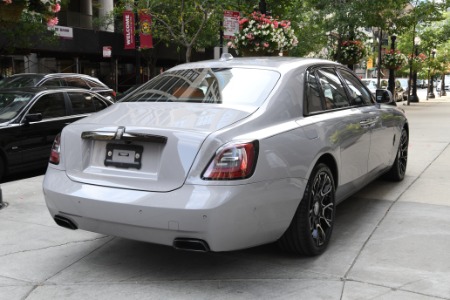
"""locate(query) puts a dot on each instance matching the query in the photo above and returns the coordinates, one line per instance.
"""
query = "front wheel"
(310, 229)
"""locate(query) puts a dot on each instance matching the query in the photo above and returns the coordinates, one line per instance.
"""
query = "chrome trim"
(124, 136)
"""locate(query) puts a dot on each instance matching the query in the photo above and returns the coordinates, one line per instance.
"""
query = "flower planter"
(11, 12)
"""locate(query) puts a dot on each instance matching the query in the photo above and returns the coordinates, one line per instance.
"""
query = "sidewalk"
(391, 241)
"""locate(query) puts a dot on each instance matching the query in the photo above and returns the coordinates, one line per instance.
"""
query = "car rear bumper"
(226, 218)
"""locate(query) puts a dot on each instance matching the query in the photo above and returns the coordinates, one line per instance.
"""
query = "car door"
(38, 135)
(375, 119)
(341, 127)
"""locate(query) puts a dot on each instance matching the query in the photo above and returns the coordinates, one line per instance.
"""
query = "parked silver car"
(228, 154)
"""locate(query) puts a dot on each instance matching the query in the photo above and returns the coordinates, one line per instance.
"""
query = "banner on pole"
(145, 30)
(128, 30)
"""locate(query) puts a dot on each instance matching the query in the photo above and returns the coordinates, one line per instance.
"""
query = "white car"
(227, 154)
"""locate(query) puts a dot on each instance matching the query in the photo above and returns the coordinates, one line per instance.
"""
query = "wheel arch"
(329, 160)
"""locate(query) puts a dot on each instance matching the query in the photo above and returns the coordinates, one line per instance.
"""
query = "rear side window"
(333, 91)
(313, 99)
(50, 106)
(77, 82)
(85, 103)
(357, 93)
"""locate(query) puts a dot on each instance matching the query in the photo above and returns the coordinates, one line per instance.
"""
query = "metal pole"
(431, 84)
(415, 98)
(380, 46)
(391, 82)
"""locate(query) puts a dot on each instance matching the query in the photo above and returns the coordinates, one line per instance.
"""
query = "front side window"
(50, 106)
(230, 86)
(357, 93)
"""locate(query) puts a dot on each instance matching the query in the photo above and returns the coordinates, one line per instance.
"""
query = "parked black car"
(30, 118)
(58, 79)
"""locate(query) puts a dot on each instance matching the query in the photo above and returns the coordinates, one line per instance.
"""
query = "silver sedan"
(228, 154)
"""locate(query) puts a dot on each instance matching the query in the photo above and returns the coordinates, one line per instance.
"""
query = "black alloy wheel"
(312, 225)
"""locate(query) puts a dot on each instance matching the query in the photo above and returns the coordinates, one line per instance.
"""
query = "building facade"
(90, 42)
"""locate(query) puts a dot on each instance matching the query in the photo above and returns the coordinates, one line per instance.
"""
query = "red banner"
(145, 30)
(128, 30)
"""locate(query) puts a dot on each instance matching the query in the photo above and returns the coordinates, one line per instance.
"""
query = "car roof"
(49, 75)
(278, 63)
(38, 89)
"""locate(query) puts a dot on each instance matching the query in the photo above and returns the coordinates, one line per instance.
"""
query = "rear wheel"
(398, 169)
(312, 225)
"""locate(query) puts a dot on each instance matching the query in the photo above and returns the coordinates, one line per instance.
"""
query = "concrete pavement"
(391, 241)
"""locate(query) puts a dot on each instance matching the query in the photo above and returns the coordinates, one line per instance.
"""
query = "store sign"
(230, 23)
(107, 51)
(62, 31)
(145, 30)
(128, 30)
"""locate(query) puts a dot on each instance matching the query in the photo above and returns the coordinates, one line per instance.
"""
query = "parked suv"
(58, 79)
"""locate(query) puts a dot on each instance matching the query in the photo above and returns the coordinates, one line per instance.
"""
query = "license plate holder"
(124, 156)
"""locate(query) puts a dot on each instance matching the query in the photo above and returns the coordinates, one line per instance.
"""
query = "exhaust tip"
(187, 244)
(65, 222)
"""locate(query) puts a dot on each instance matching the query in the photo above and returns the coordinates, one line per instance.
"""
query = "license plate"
(123, 156)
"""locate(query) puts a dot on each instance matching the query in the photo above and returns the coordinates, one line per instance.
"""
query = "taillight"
(233, 161)
(56, 150)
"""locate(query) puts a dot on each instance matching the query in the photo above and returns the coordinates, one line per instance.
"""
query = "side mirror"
(384, 96)
(33, 117)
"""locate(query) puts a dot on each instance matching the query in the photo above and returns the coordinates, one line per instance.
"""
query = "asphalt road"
(391, 241)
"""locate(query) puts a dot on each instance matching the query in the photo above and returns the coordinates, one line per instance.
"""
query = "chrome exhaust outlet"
(190, 245)
(65, 222)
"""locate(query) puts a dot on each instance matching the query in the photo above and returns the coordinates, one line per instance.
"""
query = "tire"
(2, 168)
(398, 169)
(311, 227)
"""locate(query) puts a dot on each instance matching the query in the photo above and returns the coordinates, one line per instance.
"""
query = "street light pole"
(431, 84)
(391, 82)
(414, 97)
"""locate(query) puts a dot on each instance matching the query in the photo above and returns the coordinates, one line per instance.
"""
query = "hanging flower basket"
(352, 52)
(417, 61)
(11, 12)
(261, 35)
(393, 60)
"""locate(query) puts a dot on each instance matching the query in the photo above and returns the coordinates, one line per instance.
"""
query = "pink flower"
(266, 45)
(52, 22)
(7, 1)
(242, 21)
(275, 24)
(250, 36)
(56, 7)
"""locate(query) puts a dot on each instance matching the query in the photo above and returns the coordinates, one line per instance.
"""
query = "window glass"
(231, 86)
(50, 106)
(98, 104)
(357, 93)
(77, 82)
(94, 84)
(52, 82)
(332, 88)
(12, 103)
(313, 99)
(82, 103)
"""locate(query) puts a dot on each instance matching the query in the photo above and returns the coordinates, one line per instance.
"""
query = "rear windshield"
(11, 105)
(231, 86)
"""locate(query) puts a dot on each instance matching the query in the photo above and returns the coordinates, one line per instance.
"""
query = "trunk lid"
(143, 146)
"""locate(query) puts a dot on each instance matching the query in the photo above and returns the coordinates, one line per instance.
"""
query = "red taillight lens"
(56, 149)
(233, 161)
